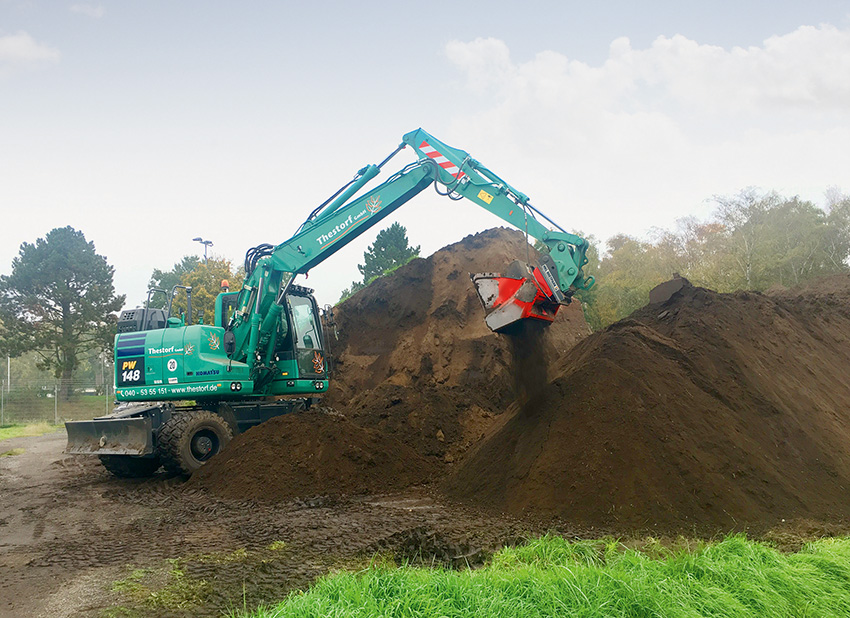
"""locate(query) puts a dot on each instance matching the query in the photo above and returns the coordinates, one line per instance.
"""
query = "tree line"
(752, 241)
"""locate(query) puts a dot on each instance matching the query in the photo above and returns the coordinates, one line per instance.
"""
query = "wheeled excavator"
(183, 390)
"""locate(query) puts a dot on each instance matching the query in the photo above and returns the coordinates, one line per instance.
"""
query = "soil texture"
(415, 359)
(76, 542)
(311, 453)
(708, 412)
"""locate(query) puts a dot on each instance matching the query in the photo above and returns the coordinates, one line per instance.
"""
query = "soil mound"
(707, 412)
(308, 454)
(415, 358)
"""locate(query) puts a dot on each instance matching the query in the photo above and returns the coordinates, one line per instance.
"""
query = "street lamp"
(205, 243)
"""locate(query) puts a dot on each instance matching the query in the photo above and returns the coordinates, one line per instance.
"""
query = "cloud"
(95, 11)
(802, 69)
(647, 135)
(20, 51)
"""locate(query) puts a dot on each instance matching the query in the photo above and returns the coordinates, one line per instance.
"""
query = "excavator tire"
(189, 439)
(129, 466)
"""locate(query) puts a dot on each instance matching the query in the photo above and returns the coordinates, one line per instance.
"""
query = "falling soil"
(310, 453)
(529, 366)
(708, 412)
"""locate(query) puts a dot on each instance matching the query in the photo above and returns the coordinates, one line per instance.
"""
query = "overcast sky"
(148, 123)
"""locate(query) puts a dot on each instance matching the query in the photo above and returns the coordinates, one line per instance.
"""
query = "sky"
(145, 124)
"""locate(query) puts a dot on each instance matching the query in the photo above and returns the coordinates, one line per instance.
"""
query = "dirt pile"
(419, 376)
(415, 358)
(308, 454)
(709, 411)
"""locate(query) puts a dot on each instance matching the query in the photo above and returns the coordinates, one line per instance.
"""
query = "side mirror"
(229, 342)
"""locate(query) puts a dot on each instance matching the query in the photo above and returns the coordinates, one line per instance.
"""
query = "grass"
(26, 406)
(22, 431)
(553, 577)
(160, 589)
(13, 452)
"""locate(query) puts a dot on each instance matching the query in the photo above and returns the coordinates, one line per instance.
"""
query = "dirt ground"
(75, 541)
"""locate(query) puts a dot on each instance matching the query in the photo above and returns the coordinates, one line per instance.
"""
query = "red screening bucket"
(518, 295)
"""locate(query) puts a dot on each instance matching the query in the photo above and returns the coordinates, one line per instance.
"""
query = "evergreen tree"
(390, 250)
(59, 302)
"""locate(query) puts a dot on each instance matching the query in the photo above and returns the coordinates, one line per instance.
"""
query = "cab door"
(307, 337)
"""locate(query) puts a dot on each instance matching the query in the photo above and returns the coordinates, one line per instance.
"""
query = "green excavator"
(183, 390)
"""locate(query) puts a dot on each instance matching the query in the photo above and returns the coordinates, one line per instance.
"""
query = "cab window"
(304, 319)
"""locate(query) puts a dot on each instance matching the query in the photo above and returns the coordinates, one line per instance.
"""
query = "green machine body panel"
(190, 362)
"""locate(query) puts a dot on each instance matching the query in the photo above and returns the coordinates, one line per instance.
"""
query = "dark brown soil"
(419, 379)
(308, 454)
(416, 360)
(709, 412)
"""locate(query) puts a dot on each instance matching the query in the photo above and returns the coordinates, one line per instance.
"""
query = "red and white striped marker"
(440, 160)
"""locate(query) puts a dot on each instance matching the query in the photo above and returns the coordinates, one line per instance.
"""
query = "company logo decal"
(190, 349)
(160, 351)
(373, 205)
(211, 372)
(318, 363)
(214, 341)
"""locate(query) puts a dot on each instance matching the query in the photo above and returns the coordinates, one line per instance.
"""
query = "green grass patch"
(13, 452)
(554, 577)
(161, 589)
(22, 431)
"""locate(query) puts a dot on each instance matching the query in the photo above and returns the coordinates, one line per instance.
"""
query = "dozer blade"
(111, 436)
(518, 295)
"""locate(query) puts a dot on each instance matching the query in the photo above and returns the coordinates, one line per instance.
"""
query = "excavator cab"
(306, 336)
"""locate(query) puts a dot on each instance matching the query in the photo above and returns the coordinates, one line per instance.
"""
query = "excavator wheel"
(189, 439)
(129, 466)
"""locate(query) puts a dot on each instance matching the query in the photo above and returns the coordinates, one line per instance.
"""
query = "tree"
(837, 248)
(389, 251)
(59, 302)
(167, 279)
(205, 280)
(351, 290)
(745, 218)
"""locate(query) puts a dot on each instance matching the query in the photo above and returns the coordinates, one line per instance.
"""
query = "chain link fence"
(53, 401)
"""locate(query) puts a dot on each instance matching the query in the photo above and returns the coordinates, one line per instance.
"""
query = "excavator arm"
(523, 293)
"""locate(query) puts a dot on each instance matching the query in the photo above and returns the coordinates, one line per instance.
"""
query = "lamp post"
(205, 243)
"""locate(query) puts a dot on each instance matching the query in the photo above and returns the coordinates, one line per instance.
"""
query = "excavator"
(183, 390)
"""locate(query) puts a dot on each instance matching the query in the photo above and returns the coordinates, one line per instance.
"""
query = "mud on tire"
(130, 467)
(190, 439)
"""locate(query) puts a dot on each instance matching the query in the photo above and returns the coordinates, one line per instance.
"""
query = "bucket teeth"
(511, 298)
